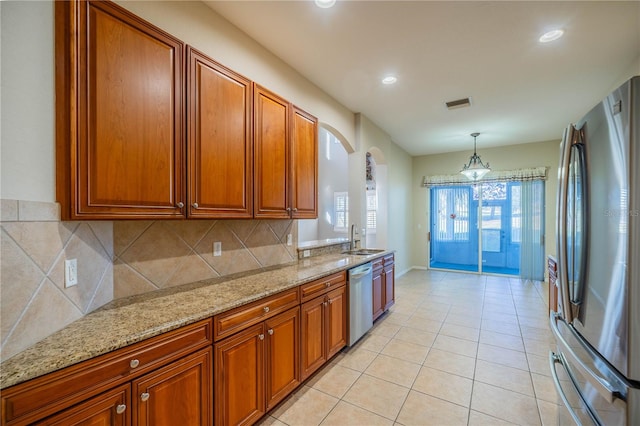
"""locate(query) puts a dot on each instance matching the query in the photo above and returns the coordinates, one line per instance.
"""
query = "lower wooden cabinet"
(383, 283)
(389, 281)
(378, 289)
(177, 394)
(256, 368)
(324, 329)
(109, 408)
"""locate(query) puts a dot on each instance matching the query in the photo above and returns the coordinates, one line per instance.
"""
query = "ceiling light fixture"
(550, 36)
(389, 79)
(325, 4)
(475, 170)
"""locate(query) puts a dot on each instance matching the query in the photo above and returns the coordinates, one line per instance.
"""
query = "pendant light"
(475, 170)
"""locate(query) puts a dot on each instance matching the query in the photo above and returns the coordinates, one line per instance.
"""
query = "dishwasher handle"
(361, 273)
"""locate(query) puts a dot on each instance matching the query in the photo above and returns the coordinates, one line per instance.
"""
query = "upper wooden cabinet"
(148, 128)
(220, 149)
(286, 158)
(304, 165)
(120, 107)
(271, 141)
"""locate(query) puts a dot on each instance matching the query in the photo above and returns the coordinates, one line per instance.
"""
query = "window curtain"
(532, 259)
(521, 175)
(532, 228)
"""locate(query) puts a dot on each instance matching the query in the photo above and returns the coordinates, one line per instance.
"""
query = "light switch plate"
(70, 272)
(217, 248)
(289, 239)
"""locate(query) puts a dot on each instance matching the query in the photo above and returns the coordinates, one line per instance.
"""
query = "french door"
(476, 227)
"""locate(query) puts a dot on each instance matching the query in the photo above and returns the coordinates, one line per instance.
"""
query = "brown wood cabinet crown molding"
(150, 128)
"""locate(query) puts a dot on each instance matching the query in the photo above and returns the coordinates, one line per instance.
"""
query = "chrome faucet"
(352, 241)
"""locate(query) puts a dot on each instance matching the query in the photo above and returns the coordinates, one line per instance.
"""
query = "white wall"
(503, 158)
(28, 120)
(398, 192)
(27, 82)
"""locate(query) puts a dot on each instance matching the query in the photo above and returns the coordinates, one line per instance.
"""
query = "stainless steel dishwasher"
(360, 302)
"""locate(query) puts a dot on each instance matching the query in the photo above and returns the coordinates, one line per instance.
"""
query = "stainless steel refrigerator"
(596, 366)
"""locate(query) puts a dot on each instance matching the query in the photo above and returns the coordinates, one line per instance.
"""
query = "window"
(341, 211)
(372, 211)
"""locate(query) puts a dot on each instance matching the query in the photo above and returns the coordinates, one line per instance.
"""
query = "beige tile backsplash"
(115, 259)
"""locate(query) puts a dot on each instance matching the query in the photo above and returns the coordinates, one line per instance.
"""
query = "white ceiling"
(522, 91)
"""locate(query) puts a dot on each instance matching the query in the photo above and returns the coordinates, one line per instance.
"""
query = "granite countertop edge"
(126, 321)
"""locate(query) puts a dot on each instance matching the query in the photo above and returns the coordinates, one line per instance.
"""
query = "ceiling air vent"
(459, 103)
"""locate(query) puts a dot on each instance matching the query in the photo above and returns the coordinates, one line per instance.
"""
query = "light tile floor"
(455, 349)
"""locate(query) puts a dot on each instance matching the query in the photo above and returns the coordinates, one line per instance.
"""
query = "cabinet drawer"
(388, 260)
(239, 318)
(377, 263)
(315, 288)
(53, 392)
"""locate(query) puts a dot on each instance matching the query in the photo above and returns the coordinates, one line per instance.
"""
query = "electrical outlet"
(289, 239)
(217, 248)
(306, 253)
(70, 272)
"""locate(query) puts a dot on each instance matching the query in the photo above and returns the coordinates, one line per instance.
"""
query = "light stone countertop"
(133, 319)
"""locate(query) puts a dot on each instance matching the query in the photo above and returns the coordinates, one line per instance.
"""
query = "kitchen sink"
(363, 252)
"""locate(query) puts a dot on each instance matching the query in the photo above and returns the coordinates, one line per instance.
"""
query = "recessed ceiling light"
(550, 36)
(325, 4)
(389, 79)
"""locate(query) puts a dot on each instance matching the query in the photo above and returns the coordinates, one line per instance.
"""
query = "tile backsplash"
(115, 259)
(160, 254)
(34, 245)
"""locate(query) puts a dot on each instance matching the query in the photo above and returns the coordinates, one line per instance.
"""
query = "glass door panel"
(454, 228)
(500, 253)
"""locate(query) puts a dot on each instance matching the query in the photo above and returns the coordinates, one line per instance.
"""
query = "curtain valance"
(528, 174)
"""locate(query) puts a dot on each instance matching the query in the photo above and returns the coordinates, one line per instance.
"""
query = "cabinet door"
(121, 87)
(219, 140)
(336, 320)
(389, 286)
(239, 377)
(177, 394)
(313, 342)
(304, 165)
(378, 293)
(109, 408)
(271, 144)
(282, 355)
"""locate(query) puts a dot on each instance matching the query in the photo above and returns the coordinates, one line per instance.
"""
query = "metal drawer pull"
(144, 396)
(261, 336)
(270, 332)
(134, 363)
(194, 205)
(180, 205)
(295, 210)
(327, 284)
(266, 309)
(121, 408)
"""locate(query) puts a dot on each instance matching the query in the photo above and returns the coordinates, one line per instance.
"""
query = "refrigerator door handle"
(557, 359)
(602, 386)
(561, 222)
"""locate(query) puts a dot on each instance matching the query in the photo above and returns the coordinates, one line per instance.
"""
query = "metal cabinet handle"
(265, 309)
(121, 408)
(330, 301)
(324, 303)
(295, 210)
(270, 331)
(327, 284)
(144, 396)
(261, 336)
(194, 205)
(180, 204)
(134, 363)
(288, 209)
